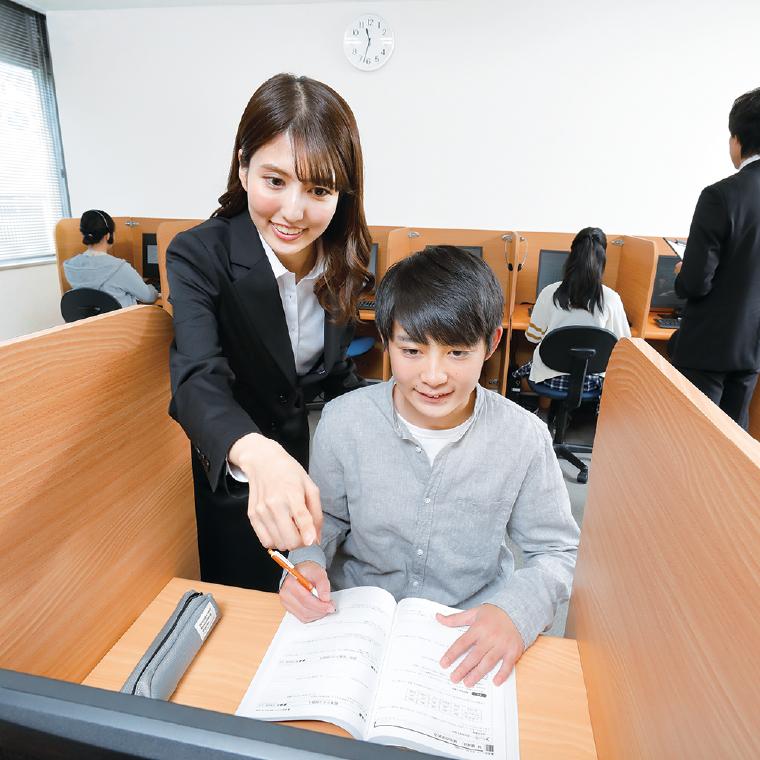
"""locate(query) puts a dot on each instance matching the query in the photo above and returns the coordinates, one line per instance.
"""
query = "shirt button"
(427, 501)
(417, 449)
(415, 583)
(420, 552)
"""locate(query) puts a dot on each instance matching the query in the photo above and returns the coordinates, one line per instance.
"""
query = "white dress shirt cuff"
(236, 473)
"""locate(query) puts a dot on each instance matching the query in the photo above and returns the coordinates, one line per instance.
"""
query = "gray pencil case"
(160, 668)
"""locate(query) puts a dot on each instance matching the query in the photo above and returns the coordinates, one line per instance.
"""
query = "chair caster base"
(582, 476)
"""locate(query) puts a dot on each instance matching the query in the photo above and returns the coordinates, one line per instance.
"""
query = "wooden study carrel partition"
(666, 597)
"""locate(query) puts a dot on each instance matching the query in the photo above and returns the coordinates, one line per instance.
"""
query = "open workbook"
(373, 668)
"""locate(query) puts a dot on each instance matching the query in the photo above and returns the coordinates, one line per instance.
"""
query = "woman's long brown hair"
(325, 139)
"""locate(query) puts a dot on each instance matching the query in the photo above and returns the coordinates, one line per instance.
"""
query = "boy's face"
(435, 384)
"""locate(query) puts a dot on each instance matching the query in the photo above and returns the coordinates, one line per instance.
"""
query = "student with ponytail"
(96, 268)
(579, 300)
(265, 296)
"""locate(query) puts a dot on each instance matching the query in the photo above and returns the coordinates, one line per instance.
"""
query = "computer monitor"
(475, 250)
(663, 293)
(551, 268)
(150, 258)
(373, 260)
(46, 719)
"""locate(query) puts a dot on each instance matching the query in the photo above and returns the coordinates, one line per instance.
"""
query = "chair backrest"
(80, 303)
(556, 348)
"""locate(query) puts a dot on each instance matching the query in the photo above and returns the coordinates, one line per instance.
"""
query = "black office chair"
(580, 351)
(80, 303)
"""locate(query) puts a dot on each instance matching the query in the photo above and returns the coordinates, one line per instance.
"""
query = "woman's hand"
(283, 502)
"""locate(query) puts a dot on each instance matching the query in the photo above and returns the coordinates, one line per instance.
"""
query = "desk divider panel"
(164, 236)
(529, 246)
(638, 261)
(96, 494)
(666, 599)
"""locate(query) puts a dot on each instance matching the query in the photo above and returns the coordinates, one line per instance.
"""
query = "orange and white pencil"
(289, 567)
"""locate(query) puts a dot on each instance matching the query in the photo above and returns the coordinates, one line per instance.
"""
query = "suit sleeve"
(709, 229)
(202, 400)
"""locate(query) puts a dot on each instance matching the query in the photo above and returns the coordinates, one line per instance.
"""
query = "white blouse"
(547, 316)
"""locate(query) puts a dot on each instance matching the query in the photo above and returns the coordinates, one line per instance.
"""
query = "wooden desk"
(553, 710)
(653, 331)
(521, 320)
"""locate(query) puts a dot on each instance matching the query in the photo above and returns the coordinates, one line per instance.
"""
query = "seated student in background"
(579, 300)
(96, 268)
(423, 477)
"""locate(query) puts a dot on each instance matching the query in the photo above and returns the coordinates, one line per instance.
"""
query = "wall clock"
(368, 42)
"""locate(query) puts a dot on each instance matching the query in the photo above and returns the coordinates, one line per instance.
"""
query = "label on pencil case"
(205, 621)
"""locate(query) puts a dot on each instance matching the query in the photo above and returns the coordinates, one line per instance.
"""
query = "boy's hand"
(296, 599)
(492, 637)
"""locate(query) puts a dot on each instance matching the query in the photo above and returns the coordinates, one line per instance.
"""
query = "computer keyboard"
(366, 303)
(668, 323)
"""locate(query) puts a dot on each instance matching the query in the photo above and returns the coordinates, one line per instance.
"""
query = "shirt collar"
(749, 160)
(278, 268)
(403, 432)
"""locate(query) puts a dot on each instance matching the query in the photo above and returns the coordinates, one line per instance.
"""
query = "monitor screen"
(475, 250)
(664, 294)
(551, 265)
(150, 257)
(373, 260)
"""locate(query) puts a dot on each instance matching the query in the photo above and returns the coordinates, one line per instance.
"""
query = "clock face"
(368, 42)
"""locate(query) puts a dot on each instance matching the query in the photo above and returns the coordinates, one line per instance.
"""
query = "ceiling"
(80, 5)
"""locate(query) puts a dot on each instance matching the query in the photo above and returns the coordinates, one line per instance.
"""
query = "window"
(33, 192)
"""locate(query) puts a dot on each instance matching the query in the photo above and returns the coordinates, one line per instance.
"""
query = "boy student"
(423, 477)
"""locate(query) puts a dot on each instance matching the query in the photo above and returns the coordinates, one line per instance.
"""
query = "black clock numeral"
(383, 52)
(355, 32)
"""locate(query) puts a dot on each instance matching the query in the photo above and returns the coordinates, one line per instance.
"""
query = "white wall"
(543, 115)
(29, 300)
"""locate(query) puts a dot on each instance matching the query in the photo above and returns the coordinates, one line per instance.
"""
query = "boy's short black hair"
(443, 294)
(744, 122)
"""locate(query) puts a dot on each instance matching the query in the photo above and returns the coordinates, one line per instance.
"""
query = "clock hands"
(369, 42)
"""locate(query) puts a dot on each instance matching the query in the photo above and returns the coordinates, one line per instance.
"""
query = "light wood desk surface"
(521, 320)
(653, 331)
(553, 710)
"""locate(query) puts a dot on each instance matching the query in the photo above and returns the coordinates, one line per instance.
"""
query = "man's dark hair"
(442, 294)
(744, 122)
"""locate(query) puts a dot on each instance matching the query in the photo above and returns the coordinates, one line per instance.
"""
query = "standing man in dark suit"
(718, 345)
(264, 296)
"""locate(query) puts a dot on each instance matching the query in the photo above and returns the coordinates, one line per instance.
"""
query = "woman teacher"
(264, 296)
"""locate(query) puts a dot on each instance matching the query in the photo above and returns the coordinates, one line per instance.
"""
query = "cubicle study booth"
(97, 543)
(135, 241)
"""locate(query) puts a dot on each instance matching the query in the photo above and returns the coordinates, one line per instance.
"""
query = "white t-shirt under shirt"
(433, 441)
(547, 316)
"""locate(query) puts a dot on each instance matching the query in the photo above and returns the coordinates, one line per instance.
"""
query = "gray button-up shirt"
(393, 520)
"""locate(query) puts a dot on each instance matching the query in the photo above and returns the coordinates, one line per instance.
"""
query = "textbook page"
(326, 670)
(419, 707)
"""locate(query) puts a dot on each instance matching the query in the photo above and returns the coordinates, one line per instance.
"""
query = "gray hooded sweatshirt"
(109, 274)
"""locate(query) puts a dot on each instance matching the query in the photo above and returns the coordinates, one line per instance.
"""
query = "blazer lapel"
(259, 294)
(333, 335)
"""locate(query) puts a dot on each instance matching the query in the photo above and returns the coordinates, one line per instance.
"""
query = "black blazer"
(232, 365)
(720, 277)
